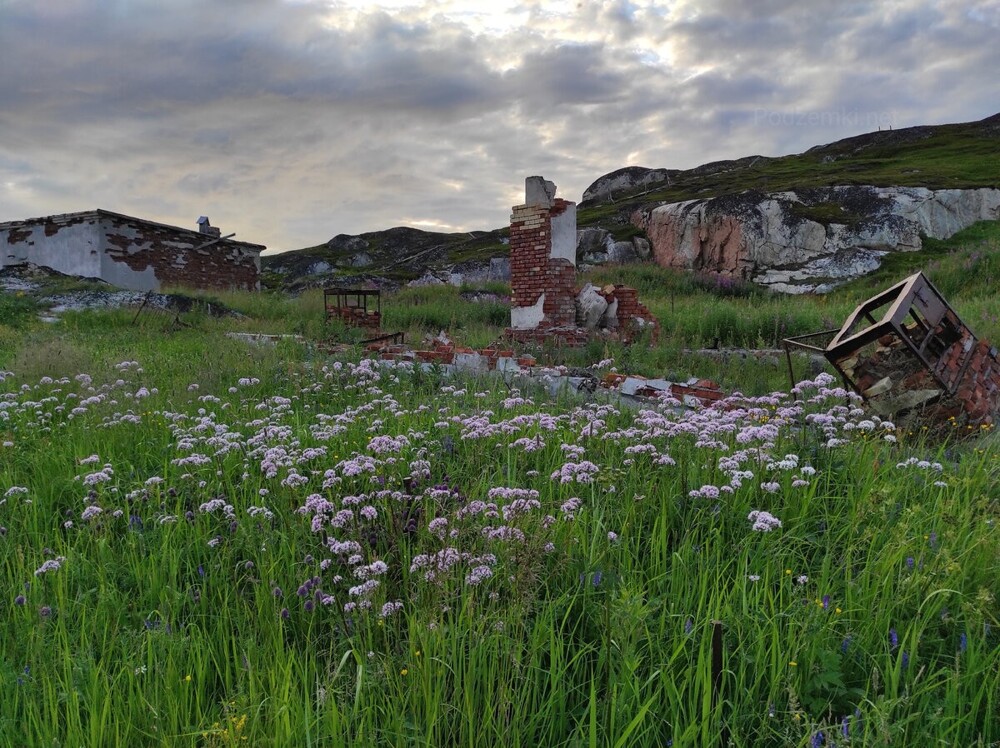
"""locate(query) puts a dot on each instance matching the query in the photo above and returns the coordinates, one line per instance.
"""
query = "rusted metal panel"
(907, 350)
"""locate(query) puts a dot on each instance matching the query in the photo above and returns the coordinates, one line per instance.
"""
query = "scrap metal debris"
(909, 355)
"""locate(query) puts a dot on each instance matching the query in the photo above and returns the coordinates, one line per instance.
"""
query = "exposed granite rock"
(595, 246)
(811, 240)
(590, 307)
(626, 179)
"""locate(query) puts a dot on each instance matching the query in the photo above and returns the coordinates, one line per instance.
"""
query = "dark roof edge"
(110, 213)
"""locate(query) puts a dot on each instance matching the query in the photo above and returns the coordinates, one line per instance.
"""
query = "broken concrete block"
(632, 385)
(661, 385)
(590, 307)
(471, 362)
(879, 388)
(506, 364)
(539, 191)
(905, 402)
(609, 319)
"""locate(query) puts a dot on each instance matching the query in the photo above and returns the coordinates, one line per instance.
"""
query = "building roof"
(99, 212)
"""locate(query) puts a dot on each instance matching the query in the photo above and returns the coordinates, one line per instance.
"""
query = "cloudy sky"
(290, 121)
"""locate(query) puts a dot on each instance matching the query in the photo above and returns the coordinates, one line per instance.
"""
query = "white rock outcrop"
(811, 240)
(595, 246)
(591, 307)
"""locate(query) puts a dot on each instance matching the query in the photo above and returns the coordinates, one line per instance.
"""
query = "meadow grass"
(206, 543)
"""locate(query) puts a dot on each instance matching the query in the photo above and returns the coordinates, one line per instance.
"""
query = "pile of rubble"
(444, 356)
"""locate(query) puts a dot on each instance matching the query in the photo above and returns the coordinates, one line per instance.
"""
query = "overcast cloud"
(290, 121)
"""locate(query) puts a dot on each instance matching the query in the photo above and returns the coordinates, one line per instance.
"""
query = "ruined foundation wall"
(68, 243)
(129, 252)
(147, 256)
(542, 259)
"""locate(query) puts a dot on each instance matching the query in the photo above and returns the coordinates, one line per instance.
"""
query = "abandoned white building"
(131, 252)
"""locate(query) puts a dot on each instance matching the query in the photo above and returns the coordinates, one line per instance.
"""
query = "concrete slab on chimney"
(539, 191)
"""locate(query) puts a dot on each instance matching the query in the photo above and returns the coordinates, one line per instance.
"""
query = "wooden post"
(717, 677)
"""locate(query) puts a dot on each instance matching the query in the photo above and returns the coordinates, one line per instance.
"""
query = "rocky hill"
(809, 220)
(387, 258)
(811, 240)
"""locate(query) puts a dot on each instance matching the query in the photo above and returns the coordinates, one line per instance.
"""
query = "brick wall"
(530, 229)
(533, 271)
(176, 256)
(630, 309)
(976, 401)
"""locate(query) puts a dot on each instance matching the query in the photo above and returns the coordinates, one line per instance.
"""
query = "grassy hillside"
(938, 157)
(694, 312)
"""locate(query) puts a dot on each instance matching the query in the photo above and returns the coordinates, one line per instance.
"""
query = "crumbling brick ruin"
(355, 307)
(542, 262)
(907, 352)
(131, 252)
(545, 302)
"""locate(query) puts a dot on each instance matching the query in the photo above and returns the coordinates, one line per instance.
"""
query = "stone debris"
(448, 358)
(264, 340)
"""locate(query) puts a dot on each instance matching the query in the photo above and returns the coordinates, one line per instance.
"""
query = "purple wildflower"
(478, 575)
(893, 639)
(20, 600)
(52, 564)
(763, 521)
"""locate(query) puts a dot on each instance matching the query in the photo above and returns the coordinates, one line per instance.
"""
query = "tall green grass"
(155, 635)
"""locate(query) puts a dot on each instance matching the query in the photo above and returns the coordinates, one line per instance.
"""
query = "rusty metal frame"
(915, 315)
(352, 298)
(796, 341)
(917, 302)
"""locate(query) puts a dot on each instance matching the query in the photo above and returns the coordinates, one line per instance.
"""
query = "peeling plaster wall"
(564, 234)
(129, 252)
(70, 244)
(542, 259)
(528, 317)
(147, 256)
